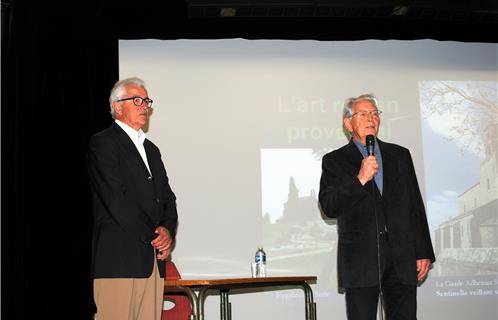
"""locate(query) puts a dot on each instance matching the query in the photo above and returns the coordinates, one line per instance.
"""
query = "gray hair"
(118, 90)
(347, 112)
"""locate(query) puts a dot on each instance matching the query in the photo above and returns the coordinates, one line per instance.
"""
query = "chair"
(181, 309)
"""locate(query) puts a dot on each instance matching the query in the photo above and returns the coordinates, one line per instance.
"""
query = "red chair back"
(182, 309)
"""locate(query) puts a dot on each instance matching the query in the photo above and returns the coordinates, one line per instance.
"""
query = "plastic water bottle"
(260, 260)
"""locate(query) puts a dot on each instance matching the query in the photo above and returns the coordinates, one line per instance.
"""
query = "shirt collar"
(138, 137)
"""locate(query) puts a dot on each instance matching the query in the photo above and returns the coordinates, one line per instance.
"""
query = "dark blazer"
(343, 197)
(128, 205)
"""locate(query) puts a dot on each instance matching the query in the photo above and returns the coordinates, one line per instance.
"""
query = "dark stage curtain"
(56, 77)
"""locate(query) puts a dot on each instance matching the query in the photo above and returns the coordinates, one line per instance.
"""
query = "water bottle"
(260, 260)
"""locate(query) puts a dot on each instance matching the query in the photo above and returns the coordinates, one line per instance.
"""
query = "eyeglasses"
(364, 114)
(139, 101)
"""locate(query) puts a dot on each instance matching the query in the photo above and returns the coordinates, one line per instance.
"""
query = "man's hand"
(368, 169)
(423, 266)
(162, 242)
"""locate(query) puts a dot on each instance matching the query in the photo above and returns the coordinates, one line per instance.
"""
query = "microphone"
(370, 140)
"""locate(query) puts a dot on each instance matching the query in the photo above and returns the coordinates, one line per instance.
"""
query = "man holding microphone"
(384, 244)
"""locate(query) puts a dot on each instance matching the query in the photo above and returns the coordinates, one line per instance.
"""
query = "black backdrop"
(59, 61)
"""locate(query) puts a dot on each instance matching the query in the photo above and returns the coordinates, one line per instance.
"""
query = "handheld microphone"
(370, 140)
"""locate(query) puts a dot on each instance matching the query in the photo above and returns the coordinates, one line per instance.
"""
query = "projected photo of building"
(466, 234)
(296, 236)
(468, 243)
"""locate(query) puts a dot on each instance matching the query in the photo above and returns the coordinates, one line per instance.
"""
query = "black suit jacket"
(343, 197)
(128, 205)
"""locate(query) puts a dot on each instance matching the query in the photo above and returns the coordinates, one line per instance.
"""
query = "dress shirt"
(138, 138)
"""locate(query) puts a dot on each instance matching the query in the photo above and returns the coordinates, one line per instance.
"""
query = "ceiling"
(484, 11)
(455, 20)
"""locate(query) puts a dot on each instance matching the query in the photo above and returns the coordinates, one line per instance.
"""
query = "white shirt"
(138, 138)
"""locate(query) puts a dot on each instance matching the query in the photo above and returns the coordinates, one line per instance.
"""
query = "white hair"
(347, 112)
(118, 90)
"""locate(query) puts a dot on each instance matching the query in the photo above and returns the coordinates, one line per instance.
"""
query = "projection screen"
(242, 126)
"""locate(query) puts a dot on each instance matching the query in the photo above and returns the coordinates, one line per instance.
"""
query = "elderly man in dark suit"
(134, 210)
(384, 241)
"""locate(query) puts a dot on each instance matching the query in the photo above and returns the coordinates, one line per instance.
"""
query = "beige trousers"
(129, 299)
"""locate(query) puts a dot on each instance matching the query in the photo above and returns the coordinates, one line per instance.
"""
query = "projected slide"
(460, 154)
(243, 125)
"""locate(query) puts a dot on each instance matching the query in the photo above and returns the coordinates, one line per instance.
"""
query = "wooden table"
(223, 286)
